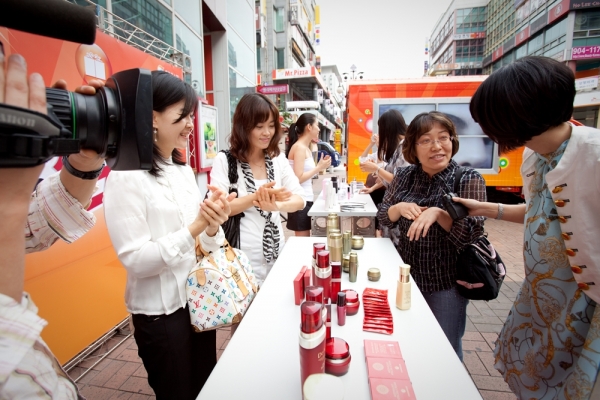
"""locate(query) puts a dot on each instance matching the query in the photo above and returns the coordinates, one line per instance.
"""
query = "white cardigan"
(253, 224)
(147, 219)
(576, 180)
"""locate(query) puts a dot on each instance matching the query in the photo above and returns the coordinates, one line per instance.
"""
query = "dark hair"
(422, 124)
(167, 90)
(391, 125)
(253, 109)
(297, 129)
(524, 99)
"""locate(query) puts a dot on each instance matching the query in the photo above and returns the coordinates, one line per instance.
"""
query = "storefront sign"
(473, 35)
(590, 82)
(522, 36)
(273, 89)
(558, 11)
(498, 53)
(579, 4)
(584, 52)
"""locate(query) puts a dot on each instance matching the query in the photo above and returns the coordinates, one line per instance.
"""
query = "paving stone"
(121, 396)
(219, 354)
(122, 375)
(104, 375)
(141, 372)
(494, 383)
(121, 348)
(490, 338)
(97, 392)
(483, 319)
(102, 364)
(133, 345)
(489, 395)
(475, 346)
(473, 336)
(488, 327)
(502, 314)
(225, 343)
(137, 385)
(470, 327)
(129, 355)
(139, 396)
(472, 310)
(87, 377)
(500, 306)
(488, 360)
(473, 364)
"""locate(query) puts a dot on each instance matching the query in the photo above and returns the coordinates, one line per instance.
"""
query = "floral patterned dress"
(549, 347)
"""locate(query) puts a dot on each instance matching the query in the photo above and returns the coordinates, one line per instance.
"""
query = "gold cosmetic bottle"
(403, 289)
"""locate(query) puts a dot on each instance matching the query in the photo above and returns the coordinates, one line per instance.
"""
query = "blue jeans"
(450, 310)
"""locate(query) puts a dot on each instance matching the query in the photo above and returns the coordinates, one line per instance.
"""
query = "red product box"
(307, 276)
(299, 288)
(382, 349)
(391, 389)
(387, 368)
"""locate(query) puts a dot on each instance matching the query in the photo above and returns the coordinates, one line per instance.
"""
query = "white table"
(360, 222)
(262, 359)
(318, 207)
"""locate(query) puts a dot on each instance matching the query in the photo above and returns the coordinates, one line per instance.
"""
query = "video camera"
(116, 122)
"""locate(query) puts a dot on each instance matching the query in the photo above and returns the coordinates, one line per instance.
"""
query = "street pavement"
(121, 374)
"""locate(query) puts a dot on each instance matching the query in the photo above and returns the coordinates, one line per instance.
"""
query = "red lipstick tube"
(317, 247)
(323, 274)
(341, 308)
(312, 340)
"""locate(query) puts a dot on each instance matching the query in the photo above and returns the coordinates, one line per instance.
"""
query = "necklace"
(259, 166)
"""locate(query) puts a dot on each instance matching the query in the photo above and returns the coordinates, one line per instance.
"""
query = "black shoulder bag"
(480, 270)
(231, 227)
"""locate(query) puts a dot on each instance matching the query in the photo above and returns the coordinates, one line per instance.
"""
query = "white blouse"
(147, 220)
(253, 224)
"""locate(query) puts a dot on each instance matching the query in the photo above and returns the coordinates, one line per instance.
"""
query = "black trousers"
(177, 359)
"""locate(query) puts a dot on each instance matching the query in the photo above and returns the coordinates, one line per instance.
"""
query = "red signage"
(498, 53)
(273, 89)
(522, 36)
(558, 11)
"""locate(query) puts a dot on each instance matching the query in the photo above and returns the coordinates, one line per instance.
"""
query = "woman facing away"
(429, 240)
(266, 182)
(392, 128)
(301, 134)
(549, 347)
(153, 218)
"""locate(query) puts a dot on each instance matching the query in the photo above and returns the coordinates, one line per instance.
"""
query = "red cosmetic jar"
(337, 356)
(352, 301)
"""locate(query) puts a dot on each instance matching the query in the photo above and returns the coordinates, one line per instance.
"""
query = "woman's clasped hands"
(215, 210)
(267, 198)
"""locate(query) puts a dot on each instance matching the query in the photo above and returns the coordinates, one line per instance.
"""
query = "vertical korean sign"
(209, 136)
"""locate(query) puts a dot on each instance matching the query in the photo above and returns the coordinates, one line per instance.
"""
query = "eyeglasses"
(443, 140)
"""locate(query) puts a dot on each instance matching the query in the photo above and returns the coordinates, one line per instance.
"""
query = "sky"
(385, 39)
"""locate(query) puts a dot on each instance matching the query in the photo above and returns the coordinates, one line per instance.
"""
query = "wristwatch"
(88, 175)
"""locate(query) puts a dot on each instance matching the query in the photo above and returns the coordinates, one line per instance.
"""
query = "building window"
(148, 15)
(258, 58)
(279, 58)
(278, 19)
(587, 20)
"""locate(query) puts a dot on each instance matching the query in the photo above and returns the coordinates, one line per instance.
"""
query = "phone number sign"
(582, 52)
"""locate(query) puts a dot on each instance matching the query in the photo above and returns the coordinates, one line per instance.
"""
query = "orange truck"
(367, 100)
(79, 288)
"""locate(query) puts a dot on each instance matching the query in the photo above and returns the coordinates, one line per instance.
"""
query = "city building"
(287, 64)
(566, 30)
(457, 41)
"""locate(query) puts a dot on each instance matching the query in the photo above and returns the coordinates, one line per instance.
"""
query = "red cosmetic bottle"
(337, 356)
(323, 274)
(317, 247)
(336, 277)
(341, 308)
(312, 340)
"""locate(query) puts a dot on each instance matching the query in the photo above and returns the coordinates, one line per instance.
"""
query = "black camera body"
(456, 210)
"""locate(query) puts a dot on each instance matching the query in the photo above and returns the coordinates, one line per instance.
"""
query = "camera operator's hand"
(85, 160)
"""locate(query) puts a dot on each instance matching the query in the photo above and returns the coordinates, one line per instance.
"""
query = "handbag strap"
(458, 173)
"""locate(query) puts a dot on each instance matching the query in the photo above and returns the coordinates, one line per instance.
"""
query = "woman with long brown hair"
(266, 182)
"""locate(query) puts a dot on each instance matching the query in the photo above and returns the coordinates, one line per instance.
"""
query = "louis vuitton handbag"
(219, 288)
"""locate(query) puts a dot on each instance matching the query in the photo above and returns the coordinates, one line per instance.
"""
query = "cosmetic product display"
(341, 308)
(312, 340)
(382, 349)
(346, 242)
(337, 356)
(373, 274)
(323, 387)
(314, 293)
(299, 288)
(403, 288)
(346, 263)
(353, 266)
(352, 302)
(391, 389)
(334, 245)
(336, 276)
(357, 242)
(333, 222)
(328, 319)
(323, 273)
(307, 276)
(317, 247)
(378, 316)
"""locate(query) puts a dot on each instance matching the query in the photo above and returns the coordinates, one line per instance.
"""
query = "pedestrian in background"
(549, 347)
(301, 134)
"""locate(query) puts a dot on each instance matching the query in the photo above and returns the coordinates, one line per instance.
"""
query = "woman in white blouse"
(153, 218)
(266, 182)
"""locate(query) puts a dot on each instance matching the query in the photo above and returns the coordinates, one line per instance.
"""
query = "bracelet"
(500, 211)
(88, 175)
(377, 172)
